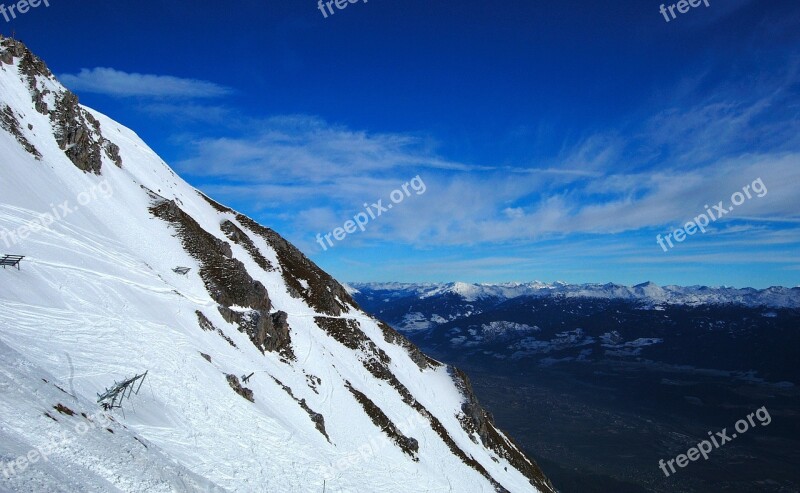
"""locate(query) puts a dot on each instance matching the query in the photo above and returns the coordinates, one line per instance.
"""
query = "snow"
(96, 301)
(415, 321)
(650, 294)
(74, 453)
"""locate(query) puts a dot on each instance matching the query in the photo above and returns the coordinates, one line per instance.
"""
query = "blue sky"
(555, 140)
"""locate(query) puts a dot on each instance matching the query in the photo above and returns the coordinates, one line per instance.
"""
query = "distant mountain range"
(537, 321)
(650, 293)
(600, 381)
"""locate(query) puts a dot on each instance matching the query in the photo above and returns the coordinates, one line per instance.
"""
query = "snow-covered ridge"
(263, 375)
(775, 297)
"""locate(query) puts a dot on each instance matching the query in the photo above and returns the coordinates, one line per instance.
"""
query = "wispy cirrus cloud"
(111, 82)
(308, 149)
(602, 196)
(316, 173)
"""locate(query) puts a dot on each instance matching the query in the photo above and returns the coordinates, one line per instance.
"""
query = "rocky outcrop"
(239, 237)
(376, 361)
(233, 381)
(241, 299)
(225, 277)
(74, 135)
(208, 326)
(302, 276)
(422, 360)
(10, 123)
(280, 335)
(476, 421)
(76, 130)
(268, 332)
(304, 279)
(316, 418)
(407, 444)
(348, 332)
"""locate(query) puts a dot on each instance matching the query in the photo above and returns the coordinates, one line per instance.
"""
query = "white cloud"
(657, 174)
(113, 82)
(514, 212)
(320, 175)
(301, 150)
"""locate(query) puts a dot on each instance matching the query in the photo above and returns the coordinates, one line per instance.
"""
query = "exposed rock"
(239, 237)
(30, 66)
(280, 336)
(475, 420)
(348, 332)
(226, 278)
(64, 409)
(10, 123)
(268, 333)
(303, 277)
(76, 130)
(233, 381)
(408, 445)
(313, 383)
(74, 136)
(216, 205)
(10, 49)
(422, 360)
(112, 151)
(229, 283)
(316, 418)
(204, 322)
(206, 325)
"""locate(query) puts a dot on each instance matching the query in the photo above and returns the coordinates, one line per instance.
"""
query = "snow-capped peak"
(647, 292)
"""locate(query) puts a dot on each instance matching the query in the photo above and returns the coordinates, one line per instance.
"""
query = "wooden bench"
(11, 260)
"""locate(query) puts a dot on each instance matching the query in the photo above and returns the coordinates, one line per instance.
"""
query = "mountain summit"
(260, 371)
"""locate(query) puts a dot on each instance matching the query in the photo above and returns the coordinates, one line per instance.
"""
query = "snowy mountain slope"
(83, 451)
(777, 297)
(336, 399)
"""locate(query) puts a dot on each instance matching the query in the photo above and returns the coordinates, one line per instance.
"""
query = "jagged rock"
(239, 237)
(476, 420)
(422, 360)
(407, 444)
(204, 322)
(233, 381)
(280, 336)
(112, 151)
(207, 325)
(226, 278)
(74, 136)
(7, 57)
(302, 276)
(316, 418)
(229, 283)
(10, 123)
(263, 330)
(76, 130)
(348, 332)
